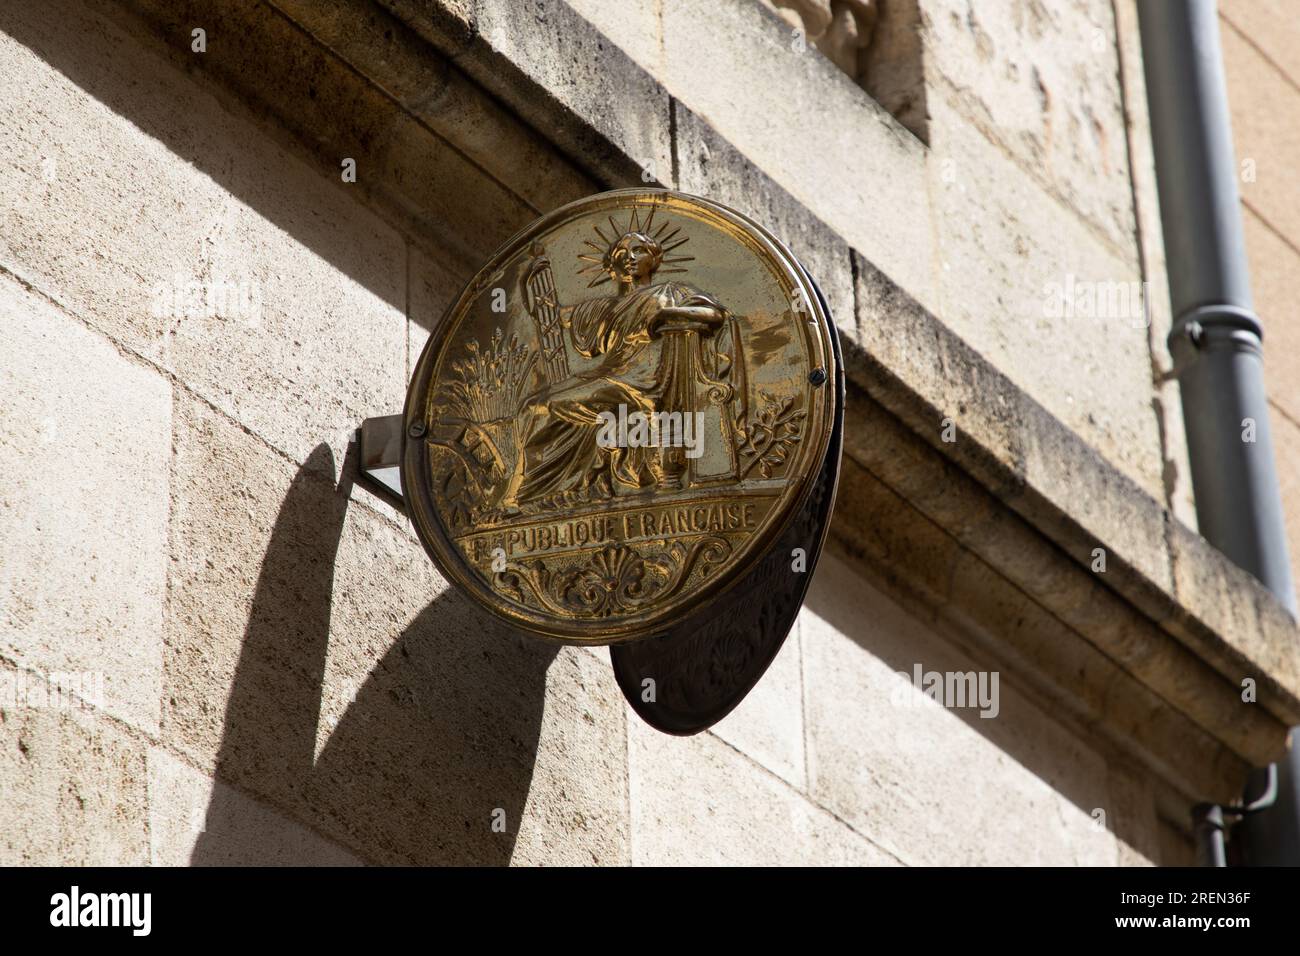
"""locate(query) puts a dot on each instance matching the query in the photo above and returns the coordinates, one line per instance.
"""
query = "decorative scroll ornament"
(614, 580)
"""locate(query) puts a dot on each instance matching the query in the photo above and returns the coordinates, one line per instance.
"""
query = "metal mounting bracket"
(379, 452)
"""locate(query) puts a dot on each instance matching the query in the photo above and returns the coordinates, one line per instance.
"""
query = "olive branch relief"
(765, 441)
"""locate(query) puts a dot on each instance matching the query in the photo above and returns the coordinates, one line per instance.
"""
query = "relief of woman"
(559, 424)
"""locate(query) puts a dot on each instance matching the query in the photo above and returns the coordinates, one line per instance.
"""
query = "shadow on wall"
(443, 732)
(1069, 763)
(283, 185)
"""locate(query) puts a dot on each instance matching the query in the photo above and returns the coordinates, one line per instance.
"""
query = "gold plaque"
(619, 415)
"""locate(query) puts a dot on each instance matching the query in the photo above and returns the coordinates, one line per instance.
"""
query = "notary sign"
(631, 407)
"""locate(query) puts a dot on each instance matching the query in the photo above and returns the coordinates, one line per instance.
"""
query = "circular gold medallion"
(618, 415)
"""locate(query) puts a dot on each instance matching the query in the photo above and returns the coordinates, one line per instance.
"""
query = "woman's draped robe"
(561, 454)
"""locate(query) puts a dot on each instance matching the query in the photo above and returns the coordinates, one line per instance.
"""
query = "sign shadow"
(432, 760)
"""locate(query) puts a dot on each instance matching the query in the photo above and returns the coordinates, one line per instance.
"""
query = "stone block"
(576, 813)
(434, 286)
(696, 801)
(768, 725)
(963, 403)
(1238, 627)
(634, 25)
(1042, 299)
(72, 785)
(551, 65)
(503, 154)
(924, 782)
(1043, 82)
(805, 124)
(83, 505)
(197, 821)
(190, 237)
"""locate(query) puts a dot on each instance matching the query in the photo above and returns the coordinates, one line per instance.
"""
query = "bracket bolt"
(817, 376)
(416, 430)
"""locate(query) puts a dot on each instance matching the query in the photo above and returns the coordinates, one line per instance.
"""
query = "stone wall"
(286, 676)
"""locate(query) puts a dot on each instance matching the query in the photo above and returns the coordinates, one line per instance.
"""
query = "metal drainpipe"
(1216, 344)
(1216, 337)
(1215, 340)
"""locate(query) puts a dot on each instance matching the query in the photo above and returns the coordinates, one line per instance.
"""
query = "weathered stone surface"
(1036, 601)
(90, 212)
(438, 95)
(1008, 253)
(927, 783)
(1110, 511)
(317, 661)
(634, 25)
(974, 413)
(576, 813)
(696, 801)
(327, 110)
(938, 384)
(227, 488)
(186, 805)
(1041, 81)
(560, 75)
(768, 725)
(710, 166)
(434, 285)
(1133, 817)
(945, 584)
(1062, 487)
(303, 334)
(1235, 624)
(1177, 846)
(818, 135)
(72, 788)
(83, 505)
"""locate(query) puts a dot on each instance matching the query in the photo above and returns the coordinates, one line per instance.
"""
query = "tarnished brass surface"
(619, 415)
